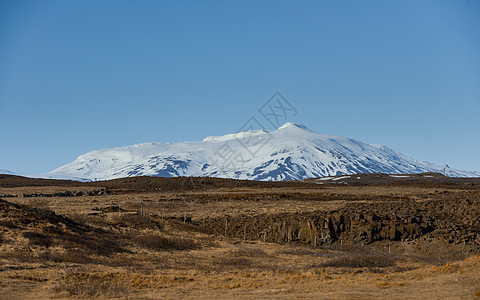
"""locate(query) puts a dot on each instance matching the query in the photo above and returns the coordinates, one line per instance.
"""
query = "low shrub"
(77, 256)
(235, 262)
(90, 286)
(250, 252)
(304, 251)
(360, 261)
(136, 221)
(19, 255)
(38, 239)
(159, 242)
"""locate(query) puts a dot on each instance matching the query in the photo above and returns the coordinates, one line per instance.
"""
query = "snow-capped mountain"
(290, 152)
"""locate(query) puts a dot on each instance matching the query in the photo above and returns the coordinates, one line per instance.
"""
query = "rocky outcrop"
(97, 192)
(453, 221)
(335, 226)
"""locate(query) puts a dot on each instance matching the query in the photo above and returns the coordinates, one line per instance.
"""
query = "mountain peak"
(291, 125)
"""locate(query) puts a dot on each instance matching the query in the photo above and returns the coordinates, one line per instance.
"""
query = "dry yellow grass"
(160, 255)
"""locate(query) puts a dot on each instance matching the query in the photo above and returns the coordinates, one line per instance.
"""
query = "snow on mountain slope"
(290, 152)
(2, 171)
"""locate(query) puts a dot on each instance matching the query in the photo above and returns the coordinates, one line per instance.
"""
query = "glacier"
(292, 152)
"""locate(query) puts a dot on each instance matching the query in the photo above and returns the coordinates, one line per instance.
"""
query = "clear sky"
(76, 76)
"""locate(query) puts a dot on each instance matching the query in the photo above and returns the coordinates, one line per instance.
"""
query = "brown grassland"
(371, 236)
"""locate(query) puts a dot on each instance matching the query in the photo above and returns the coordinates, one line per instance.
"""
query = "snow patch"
(342, 177)
(325, 178)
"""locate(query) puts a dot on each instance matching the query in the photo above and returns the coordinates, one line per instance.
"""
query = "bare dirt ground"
(366, 236)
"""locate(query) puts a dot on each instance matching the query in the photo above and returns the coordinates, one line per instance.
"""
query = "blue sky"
(76, 76)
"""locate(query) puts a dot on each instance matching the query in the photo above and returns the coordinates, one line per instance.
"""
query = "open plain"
(360, 236)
